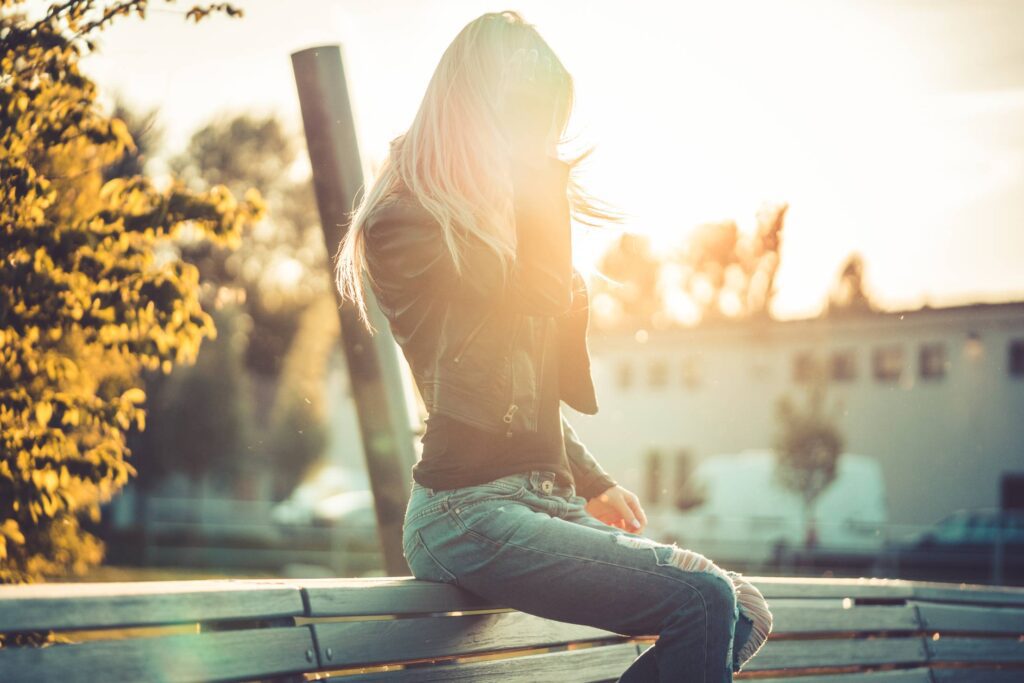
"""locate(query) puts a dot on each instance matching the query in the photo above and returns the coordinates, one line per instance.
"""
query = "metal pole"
(373, 363)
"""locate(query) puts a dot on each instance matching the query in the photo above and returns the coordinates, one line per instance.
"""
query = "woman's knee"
(714, 584)
(753, 605)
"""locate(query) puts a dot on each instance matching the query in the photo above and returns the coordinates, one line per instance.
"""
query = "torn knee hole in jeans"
(749, 600)
(687, 560)
(752, 603)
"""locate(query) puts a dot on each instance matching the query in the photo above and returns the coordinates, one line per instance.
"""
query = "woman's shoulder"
(401, 235)
(396, 212)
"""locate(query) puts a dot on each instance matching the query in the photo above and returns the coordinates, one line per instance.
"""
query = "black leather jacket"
(476, 345)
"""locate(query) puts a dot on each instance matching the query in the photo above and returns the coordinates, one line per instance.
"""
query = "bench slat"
(330, 597)
(970, 593)
(63, 606)
(859, 618)
(379, 642)
(169, 659)
(988, 650)
(865, 587)
(977, 675)
(584, 665)
(919, 675)
(835, 652)
(803, 588)
(398, 596)
(966, 618)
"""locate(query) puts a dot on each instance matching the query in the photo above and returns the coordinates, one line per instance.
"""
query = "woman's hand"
(532, 86)
(618, 507)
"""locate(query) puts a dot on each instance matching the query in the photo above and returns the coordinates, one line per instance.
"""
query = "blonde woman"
(465, 238)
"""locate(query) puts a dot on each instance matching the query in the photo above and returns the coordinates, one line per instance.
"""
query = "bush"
(90, 295)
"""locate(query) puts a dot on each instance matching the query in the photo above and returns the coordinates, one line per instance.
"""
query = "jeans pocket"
(423, 564)
(506, 488)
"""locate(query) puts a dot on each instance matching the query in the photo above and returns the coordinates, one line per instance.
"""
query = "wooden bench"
(400, 629)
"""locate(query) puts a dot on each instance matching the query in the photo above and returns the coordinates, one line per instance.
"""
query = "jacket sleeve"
(406, 249)
(589, 476)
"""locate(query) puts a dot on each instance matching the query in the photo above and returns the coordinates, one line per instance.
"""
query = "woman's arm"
(590, 477)
(405, 249)
(606, 500)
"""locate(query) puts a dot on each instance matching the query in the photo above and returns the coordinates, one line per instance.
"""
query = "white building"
(937, 395)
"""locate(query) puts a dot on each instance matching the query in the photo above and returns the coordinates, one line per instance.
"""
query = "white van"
(745, 512)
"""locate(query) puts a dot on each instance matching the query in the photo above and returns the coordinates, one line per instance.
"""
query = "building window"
(691, 373)
(805, 366)
(932, 361)
(888, 363)
(654, 482)
(624, 374)
(844, 366)
(657, 373)
(1016, 358)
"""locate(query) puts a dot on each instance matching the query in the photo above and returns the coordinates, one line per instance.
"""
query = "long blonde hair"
(454, 158)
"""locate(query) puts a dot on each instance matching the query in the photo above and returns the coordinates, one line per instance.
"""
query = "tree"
(146, 133)
(807, 446)
(717, 271)
(629, 295)
(729, 274)
(849, 294)
(90, 294)
(282, 267)
(201, 417)
(298, 434)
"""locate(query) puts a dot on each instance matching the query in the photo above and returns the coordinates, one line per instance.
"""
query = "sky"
(894, 128)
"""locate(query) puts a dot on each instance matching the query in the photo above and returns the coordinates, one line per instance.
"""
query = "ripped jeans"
(525, 542)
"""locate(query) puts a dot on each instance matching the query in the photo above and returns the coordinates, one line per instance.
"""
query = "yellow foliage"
(84, 307)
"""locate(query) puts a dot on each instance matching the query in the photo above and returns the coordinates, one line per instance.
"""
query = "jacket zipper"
(469, 340)
(512, 407)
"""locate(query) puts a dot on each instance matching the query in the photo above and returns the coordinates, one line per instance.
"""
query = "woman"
(465, 237)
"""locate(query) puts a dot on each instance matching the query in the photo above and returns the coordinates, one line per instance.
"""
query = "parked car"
(331, 495)
(983, 544)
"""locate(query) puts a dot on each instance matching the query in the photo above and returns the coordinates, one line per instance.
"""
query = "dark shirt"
(457, 454)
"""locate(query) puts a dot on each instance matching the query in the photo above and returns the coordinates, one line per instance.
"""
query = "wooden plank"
(394, 595)
(405, 595)
(199, 657)
(793, 655)
(972, 675)
(976, 650)
(940, 617)
(803, 587)
(584, 665)
(789, 619)
(916, 675)
(385, 641)
(62, 606)
(893, 589)
(1008, 596)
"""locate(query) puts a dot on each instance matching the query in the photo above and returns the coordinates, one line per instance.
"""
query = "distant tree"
(298, 433)
(729, 274)
(807, 446)
(849, 294)
(719, 271)
(628, 294)
(201, 416)
(282, 266)
(89, 294)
